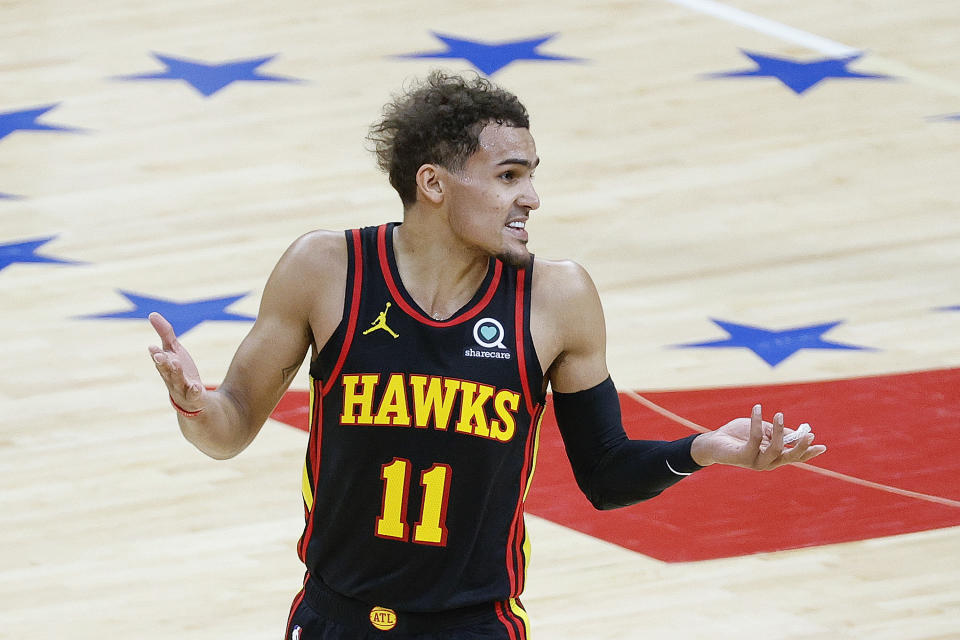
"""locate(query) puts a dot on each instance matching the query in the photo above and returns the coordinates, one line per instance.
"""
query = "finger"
(805, 450)
(796, 453)
(813, 452)
(184, 392)
(767, 435)
(164, 329)
(193, 391)
(756, 428)
(775, 447)
(797, 435)
(776, 438)
(169, 368)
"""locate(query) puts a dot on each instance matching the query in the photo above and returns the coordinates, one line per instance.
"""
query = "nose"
(529, 199)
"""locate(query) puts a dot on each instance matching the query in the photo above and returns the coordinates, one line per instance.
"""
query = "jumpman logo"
(381, 323)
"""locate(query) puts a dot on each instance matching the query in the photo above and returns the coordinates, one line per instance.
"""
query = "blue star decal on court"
(26, 120)
(774, 346)
(800, 76)
(208, 78)
(183, 316)
(950, 117)
(488, 57)
(26, 251)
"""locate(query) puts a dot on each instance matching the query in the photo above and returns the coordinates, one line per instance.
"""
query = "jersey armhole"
(329, 359)
(528, 361)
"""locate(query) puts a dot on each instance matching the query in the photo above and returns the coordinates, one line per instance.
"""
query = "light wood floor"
(686, 197)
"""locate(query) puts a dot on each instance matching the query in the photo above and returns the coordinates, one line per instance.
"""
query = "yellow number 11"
(431, 528)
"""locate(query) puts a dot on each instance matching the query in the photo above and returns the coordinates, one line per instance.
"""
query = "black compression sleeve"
(612, 470)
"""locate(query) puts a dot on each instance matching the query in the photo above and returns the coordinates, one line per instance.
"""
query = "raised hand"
(754, 444)
(176, 367)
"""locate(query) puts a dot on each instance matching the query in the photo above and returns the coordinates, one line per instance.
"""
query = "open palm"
(755, 444)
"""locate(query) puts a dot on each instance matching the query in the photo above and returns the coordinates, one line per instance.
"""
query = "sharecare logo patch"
(488, 333)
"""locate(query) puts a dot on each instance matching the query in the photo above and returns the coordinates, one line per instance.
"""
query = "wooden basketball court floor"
(789, 196)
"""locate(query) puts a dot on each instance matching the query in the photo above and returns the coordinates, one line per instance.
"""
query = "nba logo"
(295, 634)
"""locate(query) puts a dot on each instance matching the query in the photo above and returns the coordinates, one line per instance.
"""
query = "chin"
(515, 258)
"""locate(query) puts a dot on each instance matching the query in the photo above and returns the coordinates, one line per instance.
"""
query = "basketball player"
(432, 345)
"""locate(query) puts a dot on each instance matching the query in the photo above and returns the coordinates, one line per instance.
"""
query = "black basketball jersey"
(423, 440)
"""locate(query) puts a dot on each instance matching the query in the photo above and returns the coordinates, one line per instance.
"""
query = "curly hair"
(438, 121)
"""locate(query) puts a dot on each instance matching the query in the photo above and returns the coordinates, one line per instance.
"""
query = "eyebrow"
(521, 161)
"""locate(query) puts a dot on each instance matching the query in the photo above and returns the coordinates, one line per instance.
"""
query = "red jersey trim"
(313, 455)
(318, 436)
(516, 562)
(521, 352)
(508, 624)
(293, 608)
(354, 308)
(414, 313)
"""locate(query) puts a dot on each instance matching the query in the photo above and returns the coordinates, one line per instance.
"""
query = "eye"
(509, 176)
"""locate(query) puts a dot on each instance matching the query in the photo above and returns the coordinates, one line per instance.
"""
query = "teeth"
(517, 225)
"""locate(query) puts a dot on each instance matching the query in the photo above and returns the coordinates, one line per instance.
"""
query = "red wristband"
(184, 412)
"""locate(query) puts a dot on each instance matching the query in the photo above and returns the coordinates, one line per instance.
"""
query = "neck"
(439, 273)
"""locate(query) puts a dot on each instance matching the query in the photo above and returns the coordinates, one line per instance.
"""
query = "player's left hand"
(753, 444)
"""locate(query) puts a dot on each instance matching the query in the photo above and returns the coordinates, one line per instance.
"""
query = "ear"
(430, 183)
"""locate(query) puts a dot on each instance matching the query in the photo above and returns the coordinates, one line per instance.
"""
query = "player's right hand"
(176, 367)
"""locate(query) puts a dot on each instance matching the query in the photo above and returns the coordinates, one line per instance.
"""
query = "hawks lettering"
(430, 401)
(358, 398)
(473, 418)
(393, 406)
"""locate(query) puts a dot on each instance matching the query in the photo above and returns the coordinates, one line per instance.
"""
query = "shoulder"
(310, 265)
(559, 270)
(567, 325)
(307, 285)
(317, 250)
(561, 284)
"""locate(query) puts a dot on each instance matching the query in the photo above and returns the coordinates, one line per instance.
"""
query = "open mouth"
(518, 229)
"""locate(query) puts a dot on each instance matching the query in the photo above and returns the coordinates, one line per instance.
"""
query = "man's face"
(493, 195)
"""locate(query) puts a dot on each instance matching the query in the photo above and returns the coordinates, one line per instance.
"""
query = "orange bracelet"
(184, 412)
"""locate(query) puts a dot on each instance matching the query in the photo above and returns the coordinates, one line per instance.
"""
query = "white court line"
(808, 467)
(769, 27)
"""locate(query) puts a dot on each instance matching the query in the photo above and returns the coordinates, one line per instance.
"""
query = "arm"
(611, 469)
(310, 272)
